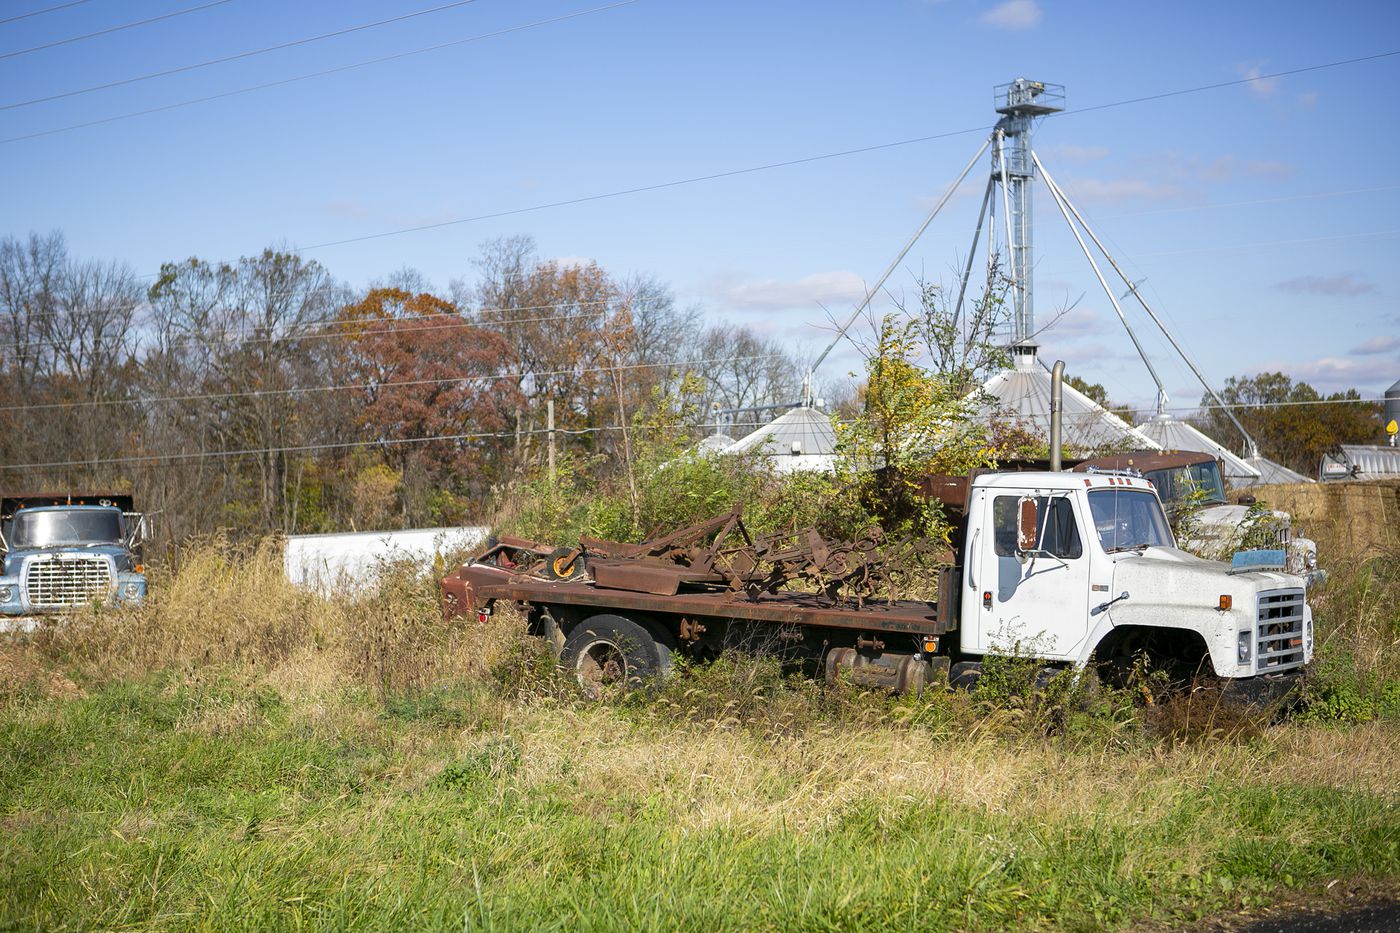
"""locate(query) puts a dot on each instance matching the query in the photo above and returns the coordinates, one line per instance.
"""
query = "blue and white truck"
(67, 551)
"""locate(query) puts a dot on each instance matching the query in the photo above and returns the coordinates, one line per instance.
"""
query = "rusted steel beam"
(916, 617)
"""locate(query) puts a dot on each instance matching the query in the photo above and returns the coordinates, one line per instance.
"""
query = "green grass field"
(281, 762)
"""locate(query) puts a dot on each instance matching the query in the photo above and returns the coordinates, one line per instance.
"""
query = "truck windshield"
(76, 526)
(1176, 485)
(1128, 518)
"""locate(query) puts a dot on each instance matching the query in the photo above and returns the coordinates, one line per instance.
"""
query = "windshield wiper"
(1127, 547)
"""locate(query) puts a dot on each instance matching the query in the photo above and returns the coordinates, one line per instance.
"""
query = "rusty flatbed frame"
(914, 617)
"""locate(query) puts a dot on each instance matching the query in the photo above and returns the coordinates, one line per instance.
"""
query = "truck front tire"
(609, 654)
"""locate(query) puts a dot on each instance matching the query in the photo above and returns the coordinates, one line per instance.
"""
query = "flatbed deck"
(915, 617)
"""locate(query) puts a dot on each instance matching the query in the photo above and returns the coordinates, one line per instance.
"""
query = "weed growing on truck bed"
(226, 760)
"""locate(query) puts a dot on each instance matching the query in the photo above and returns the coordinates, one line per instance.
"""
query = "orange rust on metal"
(716, 568)
(906, 616)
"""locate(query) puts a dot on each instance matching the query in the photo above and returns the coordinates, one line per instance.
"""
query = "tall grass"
(1357, 676)
(240, 754)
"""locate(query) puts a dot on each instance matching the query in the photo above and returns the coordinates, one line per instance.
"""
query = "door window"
(1058, 533)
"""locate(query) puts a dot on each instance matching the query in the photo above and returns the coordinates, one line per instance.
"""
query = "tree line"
(267, 395)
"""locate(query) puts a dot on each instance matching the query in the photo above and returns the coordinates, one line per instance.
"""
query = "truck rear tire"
(610, 655)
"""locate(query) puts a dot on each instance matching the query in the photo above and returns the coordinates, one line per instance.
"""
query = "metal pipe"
(972, 253)
(865, 302)
(1251, 448)
(1058, 196)
(1057, 405)
(1019, 330)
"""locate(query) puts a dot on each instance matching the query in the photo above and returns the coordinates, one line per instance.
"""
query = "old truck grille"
(59, 584)
(1280, 642)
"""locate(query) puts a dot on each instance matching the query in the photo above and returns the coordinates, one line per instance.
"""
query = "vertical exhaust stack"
(1057, 407)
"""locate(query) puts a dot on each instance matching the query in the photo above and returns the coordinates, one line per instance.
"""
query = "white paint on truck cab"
(1098, 537)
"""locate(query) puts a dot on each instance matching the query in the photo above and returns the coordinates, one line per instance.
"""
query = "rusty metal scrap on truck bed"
(717, 558)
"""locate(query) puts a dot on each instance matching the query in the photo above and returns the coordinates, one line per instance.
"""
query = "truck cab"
(63, 552)
(1069, 566)
(1180, 476)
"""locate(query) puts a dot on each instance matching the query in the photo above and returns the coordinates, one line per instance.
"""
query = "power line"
(1239, 81)
(199, 455)
(153, 459)
(342, 328)
(1374, 234)
(1283, 404)
(315, 74)
(308, 390)
(787, 163)
(236, 57)
(1254, 202)
(51, 9)
(111, 29)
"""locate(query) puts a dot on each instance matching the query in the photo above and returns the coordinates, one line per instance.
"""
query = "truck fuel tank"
(902, 673)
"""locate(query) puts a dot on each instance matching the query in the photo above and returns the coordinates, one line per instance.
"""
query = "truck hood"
(1170, 588)
(1176, 577)
(1230, 516)
(15, 558)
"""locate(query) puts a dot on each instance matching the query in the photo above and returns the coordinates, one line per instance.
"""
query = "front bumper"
(1283, 688)
(128, 590)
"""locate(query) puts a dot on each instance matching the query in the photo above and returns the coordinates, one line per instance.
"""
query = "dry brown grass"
(231, 606)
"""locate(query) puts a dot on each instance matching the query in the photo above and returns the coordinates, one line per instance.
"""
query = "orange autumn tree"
(434, 389)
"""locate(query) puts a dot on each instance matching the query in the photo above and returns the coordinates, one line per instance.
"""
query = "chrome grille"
(1280, 641)
(61, 584)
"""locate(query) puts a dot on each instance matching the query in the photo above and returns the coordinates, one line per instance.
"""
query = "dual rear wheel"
(610, 655)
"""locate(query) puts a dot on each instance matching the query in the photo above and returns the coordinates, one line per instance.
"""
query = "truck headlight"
(7, 593)
(131, 590)
(1310, 560)
(1246, 642)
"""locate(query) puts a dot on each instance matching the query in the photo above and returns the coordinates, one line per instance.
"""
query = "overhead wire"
(315, 74)
(309, 390)
(111, 29)
(349, 329)
(183, 69)
(188, 456)
(787, 163)
(198, 455)
(51, 9)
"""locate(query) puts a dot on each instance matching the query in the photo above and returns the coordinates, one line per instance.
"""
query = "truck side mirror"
(1027, 524)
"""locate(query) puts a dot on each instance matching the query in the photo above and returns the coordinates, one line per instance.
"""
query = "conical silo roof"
(1023, 392)
(1173, 434)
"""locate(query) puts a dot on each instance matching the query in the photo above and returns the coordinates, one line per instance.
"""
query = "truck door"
(1036, 601)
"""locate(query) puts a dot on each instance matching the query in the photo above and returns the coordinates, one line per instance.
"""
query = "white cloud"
(1013, 14)
(1181, 167)
(1072, 153)
(1122, 189)
(1074, 323)
(348, 209)
(1381, 343)
(1345, 285)
(829, 288)
(1337, 373)
(1264, 87)
(1228, 167)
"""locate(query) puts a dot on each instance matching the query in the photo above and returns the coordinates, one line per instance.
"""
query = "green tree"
(913, 421)
(1291, 421)
(1099, 395)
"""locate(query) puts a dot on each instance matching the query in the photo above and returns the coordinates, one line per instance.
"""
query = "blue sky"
(1262, 216)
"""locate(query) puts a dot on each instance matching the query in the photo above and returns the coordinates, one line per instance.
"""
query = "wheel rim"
(602, 669)
(563, 567)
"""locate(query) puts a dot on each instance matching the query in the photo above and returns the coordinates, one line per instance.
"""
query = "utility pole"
(549, 418)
